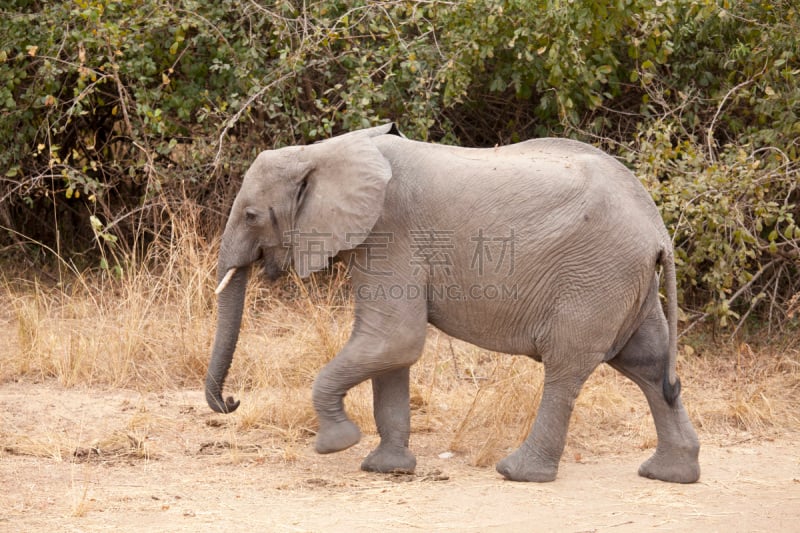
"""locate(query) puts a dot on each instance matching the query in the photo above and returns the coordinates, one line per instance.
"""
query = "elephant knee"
(327, 393)
(361, 359)
(406, 348)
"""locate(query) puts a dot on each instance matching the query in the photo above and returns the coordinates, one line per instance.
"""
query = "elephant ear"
(340, 199)
(390, 128)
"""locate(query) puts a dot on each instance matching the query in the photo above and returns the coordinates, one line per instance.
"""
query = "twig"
(235, 118)
(455, 360)
(772, 301)
(710, 130)
(753, 306)
(691, 326)
(752, 280)
(744, 288)
(735, 295)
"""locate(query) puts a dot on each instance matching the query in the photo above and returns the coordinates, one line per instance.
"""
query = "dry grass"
(141, 327)
(152, 329)
(86, 440)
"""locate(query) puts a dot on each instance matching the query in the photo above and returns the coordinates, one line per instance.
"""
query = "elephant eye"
(251, 216)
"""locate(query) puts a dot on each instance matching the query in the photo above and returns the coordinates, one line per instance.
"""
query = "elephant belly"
(487, 325)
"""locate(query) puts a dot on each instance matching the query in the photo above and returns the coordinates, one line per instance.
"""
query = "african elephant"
(548, 248)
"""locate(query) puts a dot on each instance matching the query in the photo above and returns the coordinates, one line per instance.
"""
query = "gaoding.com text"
(437, 292)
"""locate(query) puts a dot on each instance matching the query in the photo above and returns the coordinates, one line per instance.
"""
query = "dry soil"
(115, 460)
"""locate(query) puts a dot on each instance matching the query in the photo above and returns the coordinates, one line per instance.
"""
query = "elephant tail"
(672, 384)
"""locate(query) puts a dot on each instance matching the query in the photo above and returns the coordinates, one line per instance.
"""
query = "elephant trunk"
(230, 304)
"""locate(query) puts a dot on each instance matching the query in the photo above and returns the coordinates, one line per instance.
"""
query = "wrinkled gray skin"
(583, 242)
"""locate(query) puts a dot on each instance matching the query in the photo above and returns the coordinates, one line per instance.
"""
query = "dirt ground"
(99, 460)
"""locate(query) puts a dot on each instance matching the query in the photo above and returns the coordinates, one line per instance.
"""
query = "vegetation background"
(121, 117)
(127, 126)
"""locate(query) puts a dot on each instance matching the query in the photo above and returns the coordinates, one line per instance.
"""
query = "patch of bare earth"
(74, 459)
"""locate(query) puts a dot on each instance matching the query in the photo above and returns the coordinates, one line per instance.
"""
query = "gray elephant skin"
(548, 248)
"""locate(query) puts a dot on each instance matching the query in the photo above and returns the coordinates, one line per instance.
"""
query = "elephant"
(549, 248)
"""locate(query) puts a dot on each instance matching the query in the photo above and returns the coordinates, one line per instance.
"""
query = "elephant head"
(297, 207)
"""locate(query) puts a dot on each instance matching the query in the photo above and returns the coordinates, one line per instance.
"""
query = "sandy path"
(200, 476)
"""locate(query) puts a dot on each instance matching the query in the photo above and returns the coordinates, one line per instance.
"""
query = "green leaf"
(97, 226)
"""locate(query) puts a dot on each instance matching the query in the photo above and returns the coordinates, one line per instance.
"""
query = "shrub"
(116, 112)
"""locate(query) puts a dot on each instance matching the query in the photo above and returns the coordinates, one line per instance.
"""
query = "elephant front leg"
(390, 393)
(382, 349)
(336, 431)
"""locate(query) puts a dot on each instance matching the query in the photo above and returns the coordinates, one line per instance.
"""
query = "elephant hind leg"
(644, 360)
(538, 457)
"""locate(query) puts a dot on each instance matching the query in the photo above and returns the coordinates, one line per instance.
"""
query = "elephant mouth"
(271, 267)
(271, 270)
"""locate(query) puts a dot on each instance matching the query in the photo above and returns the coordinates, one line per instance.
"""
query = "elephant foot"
(336, 436)
(674, 466)
(384, 459)
(525, 467)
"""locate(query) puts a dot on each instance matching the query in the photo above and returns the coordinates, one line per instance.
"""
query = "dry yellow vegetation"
(151, 330)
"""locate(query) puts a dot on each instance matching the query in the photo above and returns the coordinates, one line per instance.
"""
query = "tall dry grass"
(142, 326)
(151, 328)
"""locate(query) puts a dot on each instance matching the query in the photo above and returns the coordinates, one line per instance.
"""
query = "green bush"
(112, 108)
(734, 222)
(117, 113)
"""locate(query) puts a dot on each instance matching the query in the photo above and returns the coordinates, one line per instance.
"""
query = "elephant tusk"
(224, 283)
